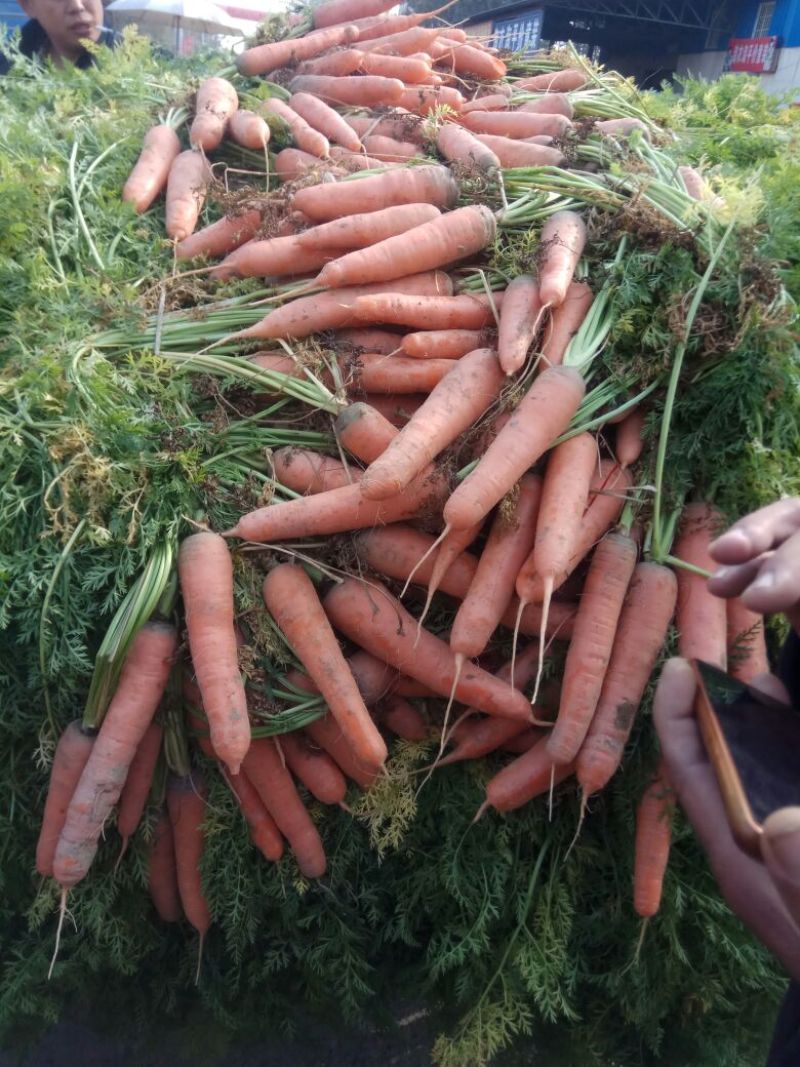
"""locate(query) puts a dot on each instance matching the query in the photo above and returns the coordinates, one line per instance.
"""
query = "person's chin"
(88, 32)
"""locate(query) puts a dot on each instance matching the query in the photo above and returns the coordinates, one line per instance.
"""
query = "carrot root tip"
(480, 812)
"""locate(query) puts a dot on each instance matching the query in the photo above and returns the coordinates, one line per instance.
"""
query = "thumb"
(780, 848)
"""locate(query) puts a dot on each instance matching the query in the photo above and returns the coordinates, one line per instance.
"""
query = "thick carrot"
(216, 102)
(323, 118)
(629, 443)
(396, 409)
(562, 243)
(291, 599)
(186, 803)
(327, 734)
(187, 186)
(264, 832)
(273, 783)
(623, 127)
(314, 769)
(206, 578)
(410, 687)
(460, 146)
(364, 432)
(523, 741)
(403, 43)
(516, 124)
(353, 162)
(276, 257)
(374, 678)
(306, 472)
(519, 321)
(140, 688)
(304, 136)
(526, 777)
(337, 11)
(423, 99)
(380, 25)
(701, 617)
(377, 621)
(160, 148)
(400, 125)
(653, 839)
(331, 311)
(291, 164)
(509, 542)
(373, 373)
(266, 57)
(550, 104)
(454, 404)
(334, 64)
(137, 785)
(72, 752)
(560, 81)
(427, 184)
(564, 323)
(490, 102)
(440, 344)
(518, 153)
(641, 633)
(408, 69)
(476, 63)
(368, 340)
(592, 642)
(220, 237)
(403, 719)
(365, 89)
(468, 312)
(747, 647)
(389, 150)
(162, 875)
(359, 231)
(248, 129)
(543, 413)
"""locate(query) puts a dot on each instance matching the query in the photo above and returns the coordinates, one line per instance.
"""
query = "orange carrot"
(516, 153)
(335, 64)
(373, 373)
(137, 785)
(701, 617)
(72, 752)
(747, 647)
(476, 63)
(623, 127)
(266, 57)
(516, 124)
(248, 129)
(187, 185)
(358, 90)
(304, 136)
(519, 320)
(550, 104)
(160, 149)
(389, 150)
(404, 43)
(221, 237)
(559, 81)
(275, 257)
(363, 431)
(451, 545)
(292, 600)
(370, 228)
(403, 719)
(327, 734)
(273, 783)
(314, 769)
(408, 69)
(369, 340)
(562, 242)
(186, 803)
(353, 162)
(264, 832)
(423, 99)
(374, 678)
(641, 633)
(216, 102)
(490, 102)
(526, 777)
(206, 578)
(400, 125)
(380, 25)
(140, 688)
(437, 312)
(323, 118)
(378, 622)
(440, 344)
(543, 413)
(510, 540)
(331, 311)
(291, 164)
(592, 642)
(305, 471)
(653, 839)
(629, 443)
(564, 323)
(460, 146)
(396, 409)
(427, 184)
(459, 398)
(162, 876)
(334, 12)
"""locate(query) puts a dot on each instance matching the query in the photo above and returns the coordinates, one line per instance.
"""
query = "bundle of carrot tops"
(416, 433)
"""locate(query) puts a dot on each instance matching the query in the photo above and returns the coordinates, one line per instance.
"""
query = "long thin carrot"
(140, 688)
(701, 617)
(72, 752)
(402, 43)
(206, 578)
(429, 185)
(187, 186)
(451, 544)
(137, 785)
(389, 150)
(562, 243)
(368, 340)
(305, 471)
(550, 104)
(444, 312)
(370, 228)
(422, 99)
(411, 69)
(459, 398)
(292, 600)
(220, 237)
(653, 840)
(266, 57)
(369, 89)
(488, 102)
(526, 777)
(327, 734)
(565, 321)
(334, 12)
(543, 413)
(516, 153)
(377, 621)
(371, 372)
(162, 875)
(314, 769)
(747, 647)
(306, 137)
(264, 832)
(272, 258)
(559, 81)
(337, 64)
(186, 803)
(519, 319)
(516, 124)
(592, 642)
(441, 344)
(160, 148)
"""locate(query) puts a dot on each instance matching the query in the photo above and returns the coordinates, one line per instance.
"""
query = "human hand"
(760, 557)
(765, 896)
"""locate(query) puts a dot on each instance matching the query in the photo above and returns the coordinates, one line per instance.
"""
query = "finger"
(776, 587)
(757, 533)
(673, 714)
(733, 579)
(772, 686)
(780, 847)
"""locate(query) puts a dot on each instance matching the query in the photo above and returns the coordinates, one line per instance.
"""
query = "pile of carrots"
(534, 544)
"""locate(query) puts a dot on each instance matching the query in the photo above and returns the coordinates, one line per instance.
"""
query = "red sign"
(755, 55)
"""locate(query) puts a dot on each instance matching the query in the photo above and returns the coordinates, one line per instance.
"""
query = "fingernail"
(722, 572)
(764, 582)
(782, 830)
(732, 537)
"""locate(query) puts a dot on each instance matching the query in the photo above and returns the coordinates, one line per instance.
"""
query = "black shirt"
(34, 42)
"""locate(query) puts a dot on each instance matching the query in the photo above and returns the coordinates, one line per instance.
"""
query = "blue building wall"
(785, 21)
(11, 14)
